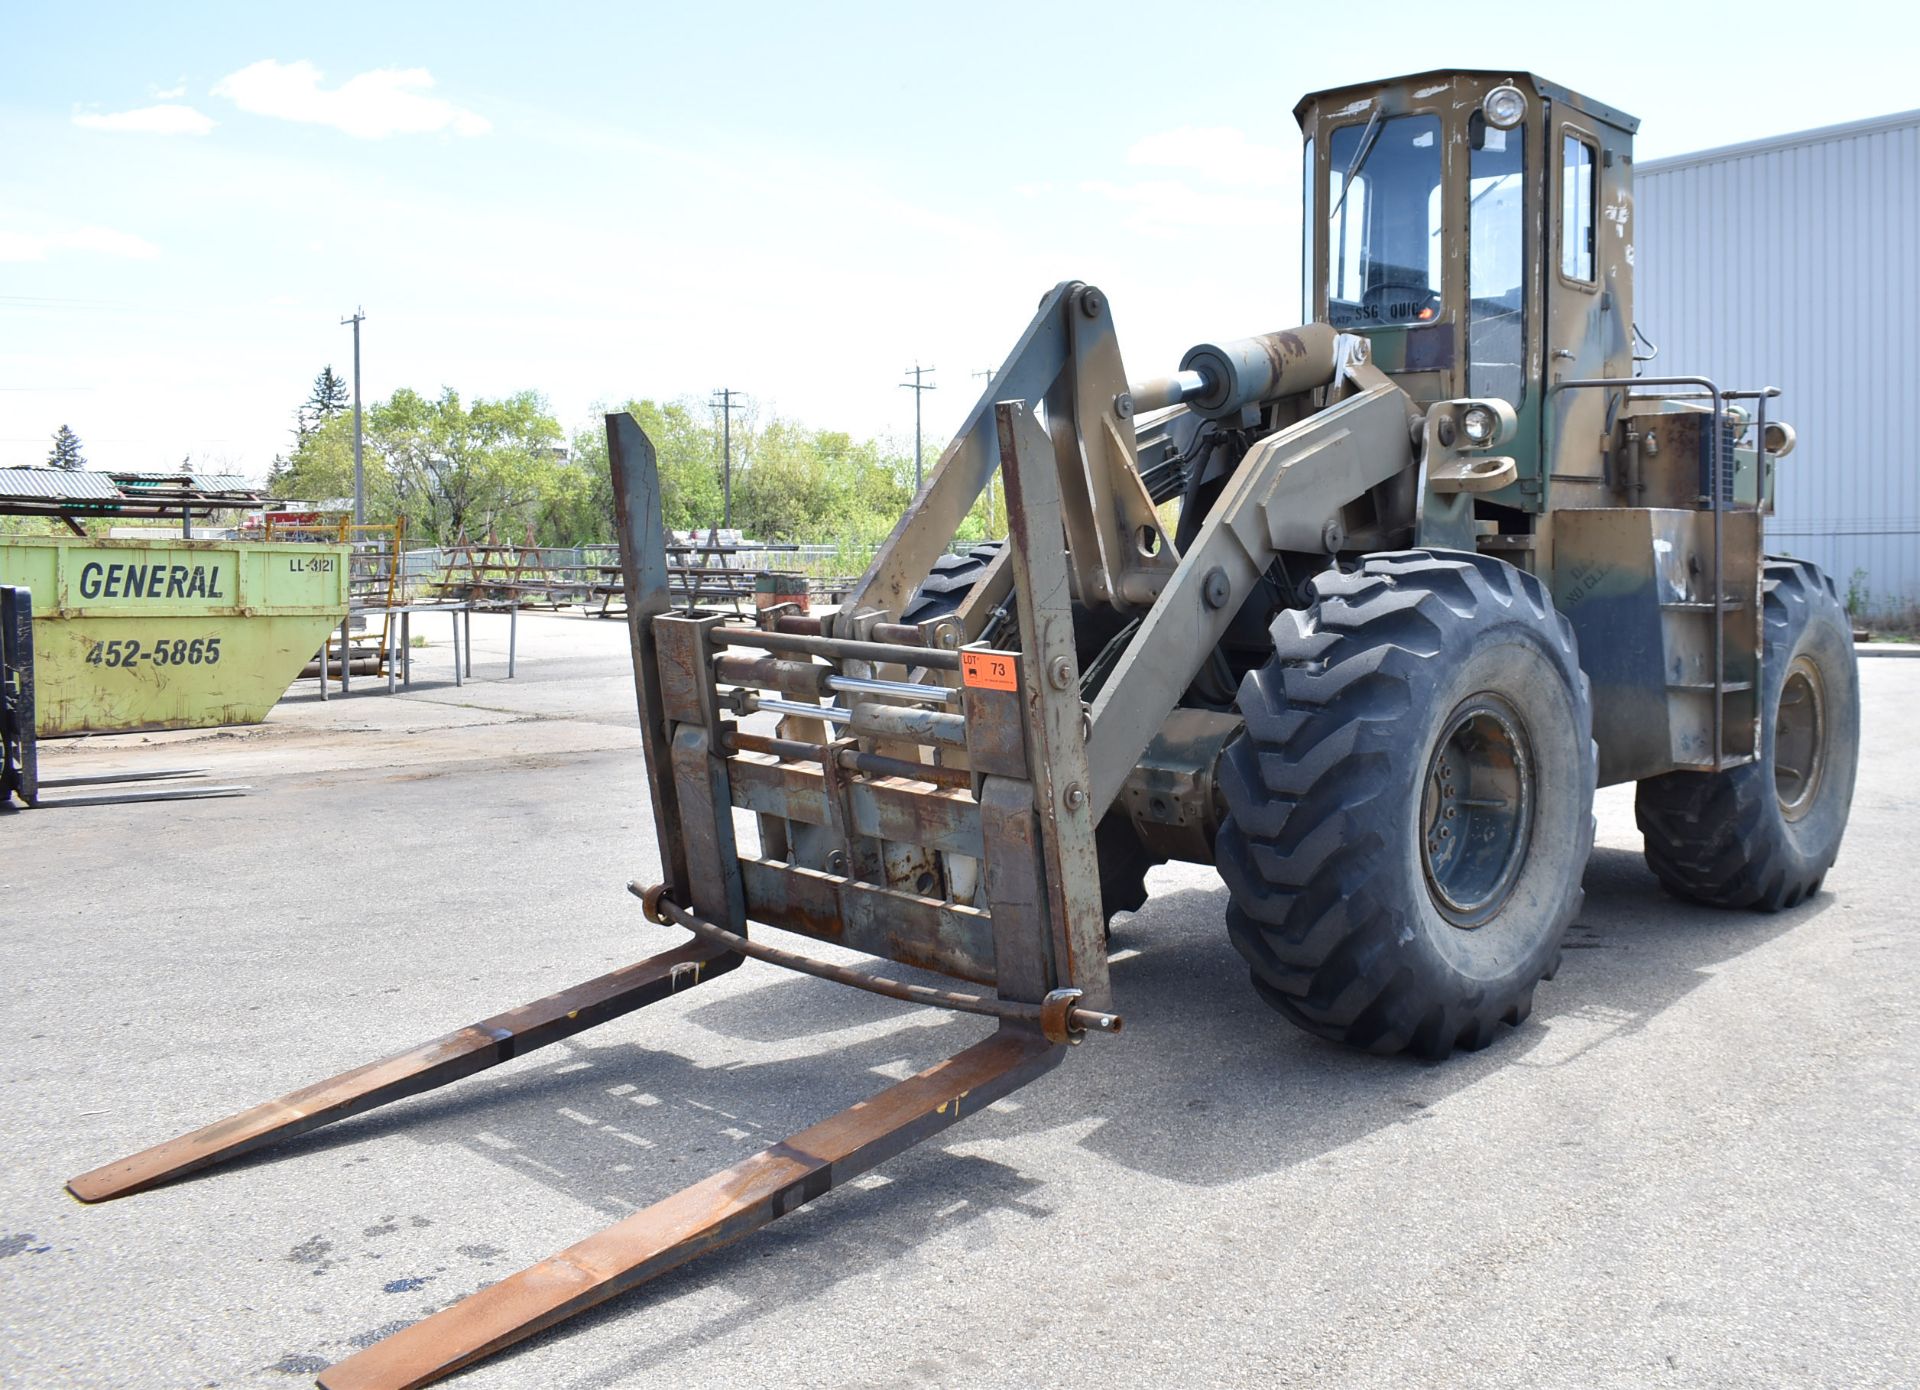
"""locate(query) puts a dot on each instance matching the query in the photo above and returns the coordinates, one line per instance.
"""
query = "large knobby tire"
(949, 582)
(1422, 684)
(1764, 835)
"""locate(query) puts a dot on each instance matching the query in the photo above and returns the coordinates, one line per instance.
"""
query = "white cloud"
(1222, 153)
(371, 106)
(173, 93)
(148, 120)
(99, 241)
(1168, 207)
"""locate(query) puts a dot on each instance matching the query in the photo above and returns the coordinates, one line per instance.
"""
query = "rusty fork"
(424, 1068)
(1018, 808)
(700, 1218)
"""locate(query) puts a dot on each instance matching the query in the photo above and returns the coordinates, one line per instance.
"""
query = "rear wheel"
(1411, 808)
(1764, 835)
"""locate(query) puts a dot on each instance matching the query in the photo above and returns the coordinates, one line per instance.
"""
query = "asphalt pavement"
(1694, 1166)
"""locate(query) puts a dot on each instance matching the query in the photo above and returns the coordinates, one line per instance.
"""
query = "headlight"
(1505, 107)
(1480, 424)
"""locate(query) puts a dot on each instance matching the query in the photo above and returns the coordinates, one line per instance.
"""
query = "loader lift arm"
(1289, 493)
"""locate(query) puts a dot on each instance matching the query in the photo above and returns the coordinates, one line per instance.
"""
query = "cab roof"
(1551, 91)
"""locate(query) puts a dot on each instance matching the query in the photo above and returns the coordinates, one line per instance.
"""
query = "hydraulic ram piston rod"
(838, 648)
(809, 678)
(1217, 380)
(874, 721)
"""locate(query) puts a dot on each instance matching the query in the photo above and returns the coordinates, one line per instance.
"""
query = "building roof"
(56, 484)
(142, 483)
(95, 492)
(1846, 130)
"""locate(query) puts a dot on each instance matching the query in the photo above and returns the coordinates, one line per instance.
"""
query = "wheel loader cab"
(1476, 227)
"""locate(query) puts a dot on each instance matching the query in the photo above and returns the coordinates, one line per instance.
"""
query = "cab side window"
(1579, 174)
(1496, 261)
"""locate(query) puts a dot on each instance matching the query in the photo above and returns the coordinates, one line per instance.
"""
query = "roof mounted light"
(1505, 106)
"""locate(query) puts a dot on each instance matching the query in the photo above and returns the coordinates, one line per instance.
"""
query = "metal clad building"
(1795, 262)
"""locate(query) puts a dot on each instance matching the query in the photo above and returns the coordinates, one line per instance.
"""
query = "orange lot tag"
(987, 671)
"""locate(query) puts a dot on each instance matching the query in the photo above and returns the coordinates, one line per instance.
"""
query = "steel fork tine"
(700, 1218)
(462, 1053)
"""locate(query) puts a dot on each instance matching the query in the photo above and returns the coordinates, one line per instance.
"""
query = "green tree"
(451, 468)
(321, 469)
(328, 398)
(987, 520)
(818, 485)
(457, 469)
(686, 448)
(463, 471)
(66, 450)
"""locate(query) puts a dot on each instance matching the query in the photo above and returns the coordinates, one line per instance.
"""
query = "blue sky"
(599, 200)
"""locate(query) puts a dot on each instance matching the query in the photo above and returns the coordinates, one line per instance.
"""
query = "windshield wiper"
(1367, 138)
(1494, 187)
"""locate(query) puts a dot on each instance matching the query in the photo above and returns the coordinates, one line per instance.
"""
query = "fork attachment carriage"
(935, 812)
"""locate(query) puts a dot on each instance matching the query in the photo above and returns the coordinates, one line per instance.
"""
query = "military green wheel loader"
(1361, 611)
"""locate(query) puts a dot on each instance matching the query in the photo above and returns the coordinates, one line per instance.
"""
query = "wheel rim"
(1476, 813)
(1799, 738)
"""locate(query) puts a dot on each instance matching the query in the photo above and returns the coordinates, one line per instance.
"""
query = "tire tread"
(1310, 785)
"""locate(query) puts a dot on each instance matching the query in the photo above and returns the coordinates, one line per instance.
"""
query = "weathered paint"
(1572, 328)
(1634, 582)
(171, 634)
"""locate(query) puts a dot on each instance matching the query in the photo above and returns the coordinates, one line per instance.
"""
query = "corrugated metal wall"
(1795, 263)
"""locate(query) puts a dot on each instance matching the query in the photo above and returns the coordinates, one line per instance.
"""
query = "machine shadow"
(928, 1195)
(1206, 1087)
(1192, 1090)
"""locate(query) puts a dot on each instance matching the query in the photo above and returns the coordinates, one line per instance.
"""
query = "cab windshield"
(1384, 250)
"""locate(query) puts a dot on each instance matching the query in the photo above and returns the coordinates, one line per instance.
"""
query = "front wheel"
(1411, 809)
(1764, 835)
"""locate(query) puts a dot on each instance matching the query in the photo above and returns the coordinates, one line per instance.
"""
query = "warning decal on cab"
(988, 671)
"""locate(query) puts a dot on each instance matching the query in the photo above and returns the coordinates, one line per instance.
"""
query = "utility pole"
(359, 473)
(724, 399)
(917, 386)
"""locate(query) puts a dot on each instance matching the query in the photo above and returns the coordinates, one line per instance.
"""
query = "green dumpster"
(171, 634)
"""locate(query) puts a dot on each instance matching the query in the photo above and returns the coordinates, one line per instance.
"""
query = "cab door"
(1589, 275)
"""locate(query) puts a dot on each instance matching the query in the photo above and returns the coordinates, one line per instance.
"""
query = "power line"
(723, 398)
(918, 386)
